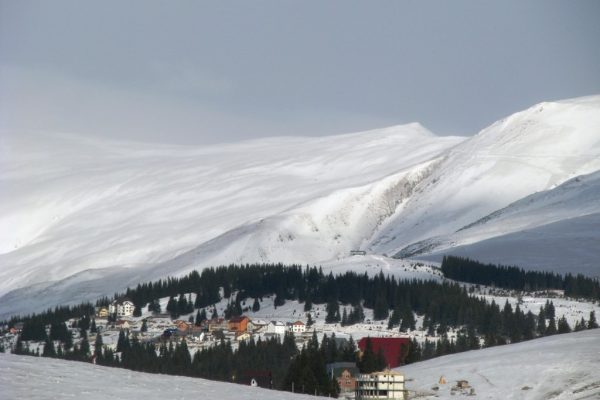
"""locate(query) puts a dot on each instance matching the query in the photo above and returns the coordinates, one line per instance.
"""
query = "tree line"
(512, 277)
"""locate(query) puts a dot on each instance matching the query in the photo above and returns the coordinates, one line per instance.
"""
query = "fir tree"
(563, 325)
(255, 305)
(49, 350)
(592, 324)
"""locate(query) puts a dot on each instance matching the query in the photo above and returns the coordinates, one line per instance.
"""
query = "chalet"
(257, 325)
(276, 327)
(238, 324)
(242, 336)
(345, 373)
(102, 312)
(217, 324)
(297, 327)
(182, 326)
(122, 324)
(358, 253)
(123, 307)
(386, 384)
(394, 349)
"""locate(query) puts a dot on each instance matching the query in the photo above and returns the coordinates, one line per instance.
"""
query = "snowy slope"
(83, 218)
(558, 367)
(528, 152)
(70, 204)
(26, 377)
(540, 231)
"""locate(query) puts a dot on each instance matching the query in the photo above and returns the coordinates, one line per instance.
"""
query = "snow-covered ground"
(26, 377)
(560, 367)
(82, 218)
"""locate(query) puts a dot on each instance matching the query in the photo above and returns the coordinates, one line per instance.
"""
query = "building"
(183, 326)
(358, 253)
(257, 325)
(242, 336)
(238, 324)
(276, 327)
(123, 307)
(297, 327)
(394, 349)
(345, 373)
(217, 324)
(122, 324)
(102, 312)
(386, 384)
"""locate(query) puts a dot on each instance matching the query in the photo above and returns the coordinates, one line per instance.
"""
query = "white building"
(276, 327)
(297, 327)
(380, 385)
(123, 307)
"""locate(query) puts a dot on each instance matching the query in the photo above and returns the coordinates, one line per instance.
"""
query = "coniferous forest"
(466, 270)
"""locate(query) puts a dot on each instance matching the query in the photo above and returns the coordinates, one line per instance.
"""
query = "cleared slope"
(530, 151)
(556, 367)
(26, 377)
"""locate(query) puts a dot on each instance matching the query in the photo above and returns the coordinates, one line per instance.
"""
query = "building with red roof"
(394, 349)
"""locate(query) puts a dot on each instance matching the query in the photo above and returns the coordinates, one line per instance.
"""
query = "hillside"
(83, 218)
(551, 230)
(556, 367)
(531, 151)
(25, 377)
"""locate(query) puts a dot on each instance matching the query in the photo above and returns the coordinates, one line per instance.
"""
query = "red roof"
(391, 347)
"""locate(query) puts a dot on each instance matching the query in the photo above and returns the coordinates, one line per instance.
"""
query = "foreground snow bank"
(25, 377)
(556, 367)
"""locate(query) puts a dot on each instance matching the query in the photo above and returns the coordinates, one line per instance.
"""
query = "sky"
(195, 72)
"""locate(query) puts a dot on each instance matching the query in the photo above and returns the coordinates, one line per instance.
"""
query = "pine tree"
(49, 350)
(551, 329)
(93, 328)
(98, 348)
(255, 305)
(592, 324)
(563, 325)
(333, 312)
(144, 327)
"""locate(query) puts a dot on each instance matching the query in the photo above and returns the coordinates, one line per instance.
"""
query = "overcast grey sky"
(198, 72)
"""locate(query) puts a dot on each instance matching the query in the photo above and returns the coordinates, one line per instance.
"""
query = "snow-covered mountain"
(82, 218)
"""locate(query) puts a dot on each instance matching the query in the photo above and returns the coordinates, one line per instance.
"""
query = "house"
(242, 336)
(257, 325)
(123, 307)
(276, 327)
(102, 312)
(345, 373)
(386, 384)
(217, 324)
(257, 378)
(122, 324)
(297, 327)
(238, 324)
(358, 252)
(183, 326)
(394, 349)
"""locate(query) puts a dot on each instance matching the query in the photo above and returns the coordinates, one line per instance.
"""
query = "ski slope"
(33, 378)
(560, 367)
(82, 218)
